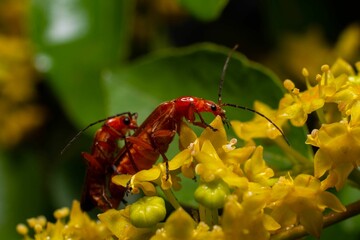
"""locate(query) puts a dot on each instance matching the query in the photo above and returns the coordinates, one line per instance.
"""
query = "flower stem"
(295, 154)
(171, 198)
(209, 216)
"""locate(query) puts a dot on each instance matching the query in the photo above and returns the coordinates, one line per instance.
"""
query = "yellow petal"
(217, 138)
(148, 175)
(179, 225)
(270, 224)
(119, 224)
(180, 159)
(312, 220)
(187, 136)
(121, 180)
(327, 199)
(147, 187)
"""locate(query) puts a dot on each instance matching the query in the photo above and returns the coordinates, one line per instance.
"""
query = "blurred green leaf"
(204, 10)
(22, 192)
(195, 71)
(75, 41)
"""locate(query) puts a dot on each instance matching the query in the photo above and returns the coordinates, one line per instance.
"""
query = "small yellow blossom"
(256, 169)
(118, 222)
(247, 220)
(141, 180)
(79, 226)
(349, 93)
(179, 225)
(259, 127)
(302, 201)
(19, 112)
(297, 105)
(210, 167)
(338, 151)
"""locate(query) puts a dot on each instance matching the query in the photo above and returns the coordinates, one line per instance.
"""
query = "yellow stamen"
(289, 85)
(325, 69)
(318, 80)
(22, 229)
(38, 228)
(314, 132)
(305, 73)
(61, 213)
(296, 91)
(32, 222)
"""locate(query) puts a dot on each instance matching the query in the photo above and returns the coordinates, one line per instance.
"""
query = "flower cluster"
(335, 100)
(73, 224)
(238, 194)
(19, 112)
(237, 180)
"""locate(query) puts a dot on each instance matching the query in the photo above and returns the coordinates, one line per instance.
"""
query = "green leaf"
(21, 190)
(75, 41)
(204, 10)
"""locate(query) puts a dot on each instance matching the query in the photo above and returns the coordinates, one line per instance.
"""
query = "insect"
(98, 190)
(154, 135)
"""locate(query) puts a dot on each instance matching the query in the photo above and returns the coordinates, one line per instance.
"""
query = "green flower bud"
(147, 211)
(212, 194)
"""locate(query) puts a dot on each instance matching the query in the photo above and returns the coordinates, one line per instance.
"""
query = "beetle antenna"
(92, 124)
(222, 78)
(260, 114)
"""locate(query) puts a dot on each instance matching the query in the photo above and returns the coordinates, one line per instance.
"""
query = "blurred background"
(59, 60)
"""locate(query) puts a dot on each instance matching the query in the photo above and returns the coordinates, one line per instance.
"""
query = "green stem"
(209, 216)
(202, 214)
(171, 198)
(320, 115)
(298, 158)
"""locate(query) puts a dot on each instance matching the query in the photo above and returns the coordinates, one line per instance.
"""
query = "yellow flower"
(338, 151)
(247, 220)
(302, 201)
(118, 222)
(296, 105)
(350, 92)
(190, 144)
(259, 127)
(210, 167)
(256, 169)
(141, 180)
(19, 114)
(79, 226)
(180, 225)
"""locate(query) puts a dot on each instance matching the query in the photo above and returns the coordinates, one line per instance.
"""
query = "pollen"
(230, 146)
